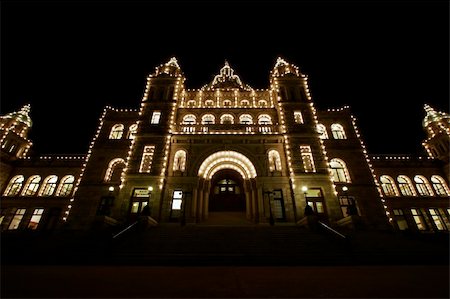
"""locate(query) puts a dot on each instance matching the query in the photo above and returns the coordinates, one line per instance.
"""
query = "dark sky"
(69, 59)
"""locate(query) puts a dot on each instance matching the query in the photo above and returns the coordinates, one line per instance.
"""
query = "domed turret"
(227, 79)
(170, 68)
(282, 68)
(14, 129)
(21, 116)
(435, 118)
(437, 126)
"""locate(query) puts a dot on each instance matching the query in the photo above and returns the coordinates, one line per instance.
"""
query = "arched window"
(209, 103)
(227, 119)
(189, 119)
(338, 131)
(406, 186)
(262, 103)
(191, 103)
(208, 119)
(246, 119)
(14, 186)
(114, 170)
(264, 119)
(48, 186)
(440, 186)
(274, 161)
(116, 131)
(179, 161)
(227, 103)
(339, 171)
(322, 130)
(388, 185)
(31, 186)
(65, 185)
(132, 131)
(245, 103)
(423, 186)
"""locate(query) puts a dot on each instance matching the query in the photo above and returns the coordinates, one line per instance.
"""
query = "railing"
(332, 230)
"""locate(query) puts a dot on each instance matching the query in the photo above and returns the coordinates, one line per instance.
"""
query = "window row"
(420, 187)
(421, 219)
(208, 119)
(118, 129)
(18, 216)
(33, 186)
(227, 104)
(337, 131)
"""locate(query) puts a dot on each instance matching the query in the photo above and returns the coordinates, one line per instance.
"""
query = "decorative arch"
(322, 130)
(274, 160)
(246, 119)
(116, 131)
(338, 131)
(31, 186)
(406, 186)
(340, 171)
(65, 186)
(48, 186)
(113, 164)
(227, 160)
(388, 186)
(132, 130)
(226, 119)
(189, 119)
(14, 186)
(440, 186)
(208, 119)
(179, 161)
(423, 186)
(264, 119)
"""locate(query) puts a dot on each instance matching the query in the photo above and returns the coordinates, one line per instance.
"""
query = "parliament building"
(225, 154)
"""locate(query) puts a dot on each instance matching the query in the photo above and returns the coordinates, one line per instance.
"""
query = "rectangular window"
(147, 158)
(177, 199)
(156, 116)
(314, 199)
(418, 218)
(400, 219)
(298, 118)
(307, 157)
(278, 204)
(348, 205)
(437, 219)
(17, 219)
(35, 219)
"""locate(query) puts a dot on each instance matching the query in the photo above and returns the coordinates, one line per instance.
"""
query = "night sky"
(70, 59)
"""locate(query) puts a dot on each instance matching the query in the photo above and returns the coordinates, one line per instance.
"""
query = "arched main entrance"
(227, 185)
(227, 192)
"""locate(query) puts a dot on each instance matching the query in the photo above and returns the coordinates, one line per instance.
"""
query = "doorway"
(227, 192)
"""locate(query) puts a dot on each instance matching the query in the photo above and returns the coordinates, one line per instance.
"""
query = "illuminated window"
(177, 199)
(274, 161)
(400, 219)
(246, 119)
(388, 186)
(264, 119)
(227, 119)
(209, 103)
(418, 219)
(48, 186)
(31, 186)
(440, 186)
(65, 186)
(191, 103)
(262, 103)
(322, 130)
(437, 219)
(12, 148)
(15, 222)
(156, 116)
(116, 131)
(179, 161)
(423, 186)
(338, 131)
(189, 119)
(114, 170)
(307, 157)
(14, 186)
(298, 118)
(147, 158)
(406, 186)
(227, 103)
(314, 199)
(208, 119)
(132, 131)
(339, 171)
(35, 219)
(245, 103)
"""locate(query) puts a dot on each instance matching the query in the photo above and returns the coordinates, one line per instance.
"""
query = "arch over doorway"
(240, 172)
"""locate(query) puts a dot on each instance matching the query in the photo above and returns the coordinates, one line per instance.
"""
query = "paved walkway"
(225, 282)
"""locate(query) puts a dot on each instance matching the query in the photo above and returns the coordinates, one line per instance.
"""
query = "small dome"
(21, 116)
(434, 116)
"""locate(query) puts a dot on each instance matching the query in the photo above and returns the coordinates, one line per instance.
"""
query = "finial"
(25, 109)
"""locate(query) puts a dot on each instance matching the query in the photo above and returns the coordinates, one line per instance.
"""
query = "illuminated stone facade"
(224, 152)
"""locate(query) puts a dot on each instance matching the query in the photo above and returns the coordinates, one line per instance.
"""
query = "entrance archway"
(227, 185)
(227, 192)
